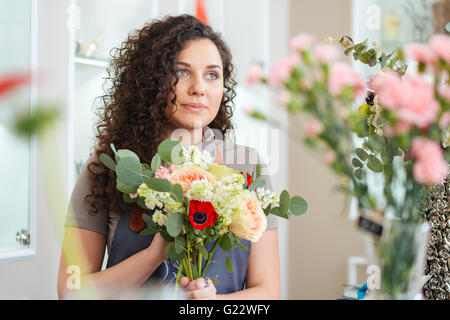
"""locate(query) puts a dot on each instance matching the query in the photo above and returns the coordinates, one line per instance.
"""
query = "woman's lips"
(194, 107)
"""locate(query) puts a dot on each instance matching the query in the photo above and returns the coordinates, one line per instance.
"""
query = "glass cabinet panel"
(15, 152)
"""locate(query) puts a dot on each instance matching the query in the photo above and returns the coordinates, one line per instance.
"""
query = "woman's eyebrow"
(211, 66)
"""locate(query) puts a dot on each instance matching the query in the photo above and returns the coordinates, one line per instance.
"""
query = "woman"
(174, 75)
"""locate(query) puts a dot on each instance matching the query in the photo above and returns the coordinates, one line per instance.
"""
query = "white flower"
(267, 197)
(201, 190)
(193, 155)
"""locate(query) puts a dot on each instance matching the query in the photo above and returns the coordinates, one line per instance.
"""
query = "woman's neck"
(187, 137)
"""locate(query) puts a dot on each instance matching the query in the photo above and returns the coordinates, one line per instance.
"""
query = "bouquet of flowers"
(404, 126)
(193, 201)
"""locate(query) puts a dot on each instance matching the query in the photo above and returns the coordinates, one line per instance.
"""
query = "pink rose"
(439, 44)
(301, 41)
(255, 74)
(282, 69)
(420, 52)
(418, 105)
(249, 221)
(186, 175)
(313, 128)
(341, 76)
(325, 53)
(430, 166)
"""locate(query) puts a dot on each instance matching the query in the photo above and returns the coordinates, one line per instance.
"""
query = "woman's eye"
(181, 73)
(213, 75)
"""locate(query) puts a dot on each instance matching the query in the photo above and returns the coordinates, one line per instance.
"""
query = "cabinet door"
(15, 153)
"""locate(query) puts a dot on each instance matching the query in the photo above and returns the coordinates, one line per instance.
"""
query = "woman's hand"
(157, 246)
(198, 289)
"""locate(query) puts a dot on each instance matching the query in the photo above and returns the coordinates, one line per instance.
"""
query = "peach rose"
(185, 175)
(250, 221)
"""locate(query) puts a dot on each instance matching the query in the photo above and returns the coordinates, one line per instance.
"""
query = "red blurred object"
(201, 214)
(200, 11)
(10, 82)
(249, 179)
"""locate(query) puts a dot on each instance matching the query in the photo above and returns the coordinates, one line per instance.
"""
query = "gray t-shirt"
(238, 157)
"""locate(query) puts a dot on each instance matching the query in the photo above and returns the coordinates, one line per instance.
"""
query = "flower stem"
(210, 255)
(180, 270)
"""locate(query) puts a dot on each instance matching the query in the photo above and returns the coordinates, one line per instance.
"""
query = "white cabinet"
(17, 155)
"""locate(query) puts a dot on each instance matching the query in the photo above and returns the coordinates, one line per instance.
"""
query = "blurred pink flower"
(162, 173)
(325, 53)
(444, 91)
(329, 157)
(440, 46)
(281, 70)
(388, 87)
(133, 195)
(282, 98)
(418, 105)
(341, 76)
(430, 166)
(301, 41)
(412, 98)
(313, 128)
(445, 120)
(254, 75)
(420, 52)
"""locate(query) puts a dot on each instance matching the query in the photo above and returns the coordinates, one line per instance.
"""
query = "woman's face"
(200, 87)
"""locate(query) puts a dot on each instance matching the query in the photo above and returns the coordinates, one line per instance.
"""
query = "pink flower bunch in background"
(412, 98)
(430, 167)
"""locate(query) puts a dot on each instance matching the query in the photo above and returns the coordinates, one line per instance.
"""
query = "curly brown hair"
(132, 114)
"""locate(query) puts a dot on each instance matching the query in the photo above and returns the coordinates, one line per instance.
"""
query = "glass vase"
(396, 261)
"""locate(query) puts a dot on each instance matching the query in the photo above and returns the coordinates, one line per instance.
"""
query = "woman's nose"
(197, 87)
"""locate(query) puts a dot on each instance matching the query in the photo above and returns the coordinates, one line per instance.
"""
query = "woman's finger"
(205, 293)
(197, 284)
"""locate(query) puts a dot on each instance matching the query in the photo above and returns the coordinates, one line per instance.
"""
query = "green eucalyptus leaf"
(108, 161)
(374, 164)
(156, 162)
(129, 171)
(175, 224)
(298, 205)
(177, 189)
(125, 187)
(171, 151)
(158, 184)
(361, 154)
(359, 174)
(172, 253)
(357, 163)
